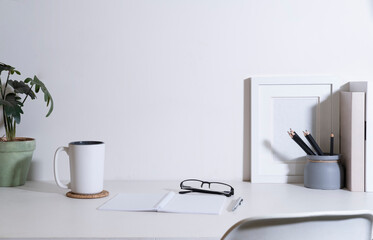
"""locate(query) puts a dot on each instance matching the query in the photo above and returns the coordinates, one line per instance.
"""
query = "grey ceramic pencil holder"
(323, 172)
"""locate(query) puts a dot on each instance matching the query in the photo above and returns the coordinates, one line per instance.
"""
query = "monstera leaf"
(21, 87)
(12, 70)
(39, 85)
(4, 67)
(12, 106)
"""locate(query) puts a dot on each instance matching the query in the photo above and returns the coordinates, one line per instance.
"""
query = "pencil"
(313, 143)
(331, 144)
(300, 142)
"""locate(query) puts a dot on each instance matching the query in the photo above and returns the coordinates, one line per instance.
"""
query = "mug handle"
(56, 178)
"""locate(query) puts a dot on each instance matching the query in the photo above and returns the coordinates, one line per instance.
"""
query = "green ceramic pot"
(15, 160)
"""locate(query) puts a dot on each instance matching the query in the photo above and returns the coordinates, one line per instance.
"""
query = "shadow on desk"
(43, 187)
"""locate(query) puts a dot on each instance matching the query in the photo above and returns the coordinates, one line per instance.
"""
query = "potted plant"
(16, 152)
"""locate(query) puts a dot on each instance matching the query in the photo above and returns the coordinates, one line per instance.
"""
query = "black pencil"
(304, 145)
(300, 142)
(313, 143)
(331, 144)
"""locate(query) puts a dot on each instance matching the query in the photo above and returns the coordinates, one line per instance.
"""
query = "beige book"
(353, 139)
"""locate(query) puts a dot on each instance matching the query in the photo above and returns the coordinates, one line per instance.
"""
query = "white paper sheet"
(166, 202)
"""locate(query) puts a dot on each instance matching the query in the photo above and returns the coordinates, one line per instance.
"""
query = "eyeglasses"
(195, 185)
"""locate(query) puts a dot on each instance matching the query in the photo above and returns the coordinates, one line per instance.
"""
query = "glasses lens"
(219, 187)
(193, 184)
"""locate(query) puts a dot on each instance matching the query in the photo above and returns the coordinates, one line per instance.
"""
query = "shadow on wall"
(35, 168)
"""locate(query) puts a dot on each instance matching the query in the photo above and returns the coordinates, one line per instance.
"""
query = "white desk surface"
(41, 210)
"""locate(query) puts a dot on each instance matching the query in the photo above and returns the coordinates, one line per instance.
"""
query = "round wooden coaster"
(102, 194)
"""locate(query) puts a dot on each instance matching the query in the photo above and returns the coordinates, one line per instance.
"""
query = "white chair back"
(341, 225)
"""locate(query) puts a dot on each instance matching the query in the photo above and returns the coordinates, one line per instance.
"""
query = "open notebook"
(166, 202)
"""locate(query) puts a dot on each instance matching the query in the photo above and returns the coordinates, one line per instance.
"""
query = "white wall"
(162, 82)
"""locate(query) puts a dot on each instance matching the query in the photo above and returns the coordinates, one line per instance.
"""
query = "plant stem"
(10, 128)
(6, 124)
(1, 84)
(14, 130)
(6, 84)
(27, 94)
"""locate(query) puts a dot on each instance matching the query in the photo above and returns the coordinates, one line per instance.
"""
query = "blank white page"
(195, 203)
(133, 202)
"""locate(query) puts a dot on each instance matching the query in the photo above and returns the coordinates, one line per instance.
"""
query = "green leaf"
(12, 106)
(5, 67)
(47, 96)
(21, 87)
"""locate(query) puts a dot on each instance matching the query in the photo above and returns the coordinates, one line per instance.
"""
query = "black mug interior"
(86, 143)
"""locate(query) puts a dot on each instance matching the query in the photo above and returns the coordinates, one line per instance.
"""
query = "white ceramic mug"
(86, 166)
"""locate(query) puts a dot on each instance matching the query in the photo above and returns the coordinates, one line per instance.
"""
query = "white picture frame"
(282, 102)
